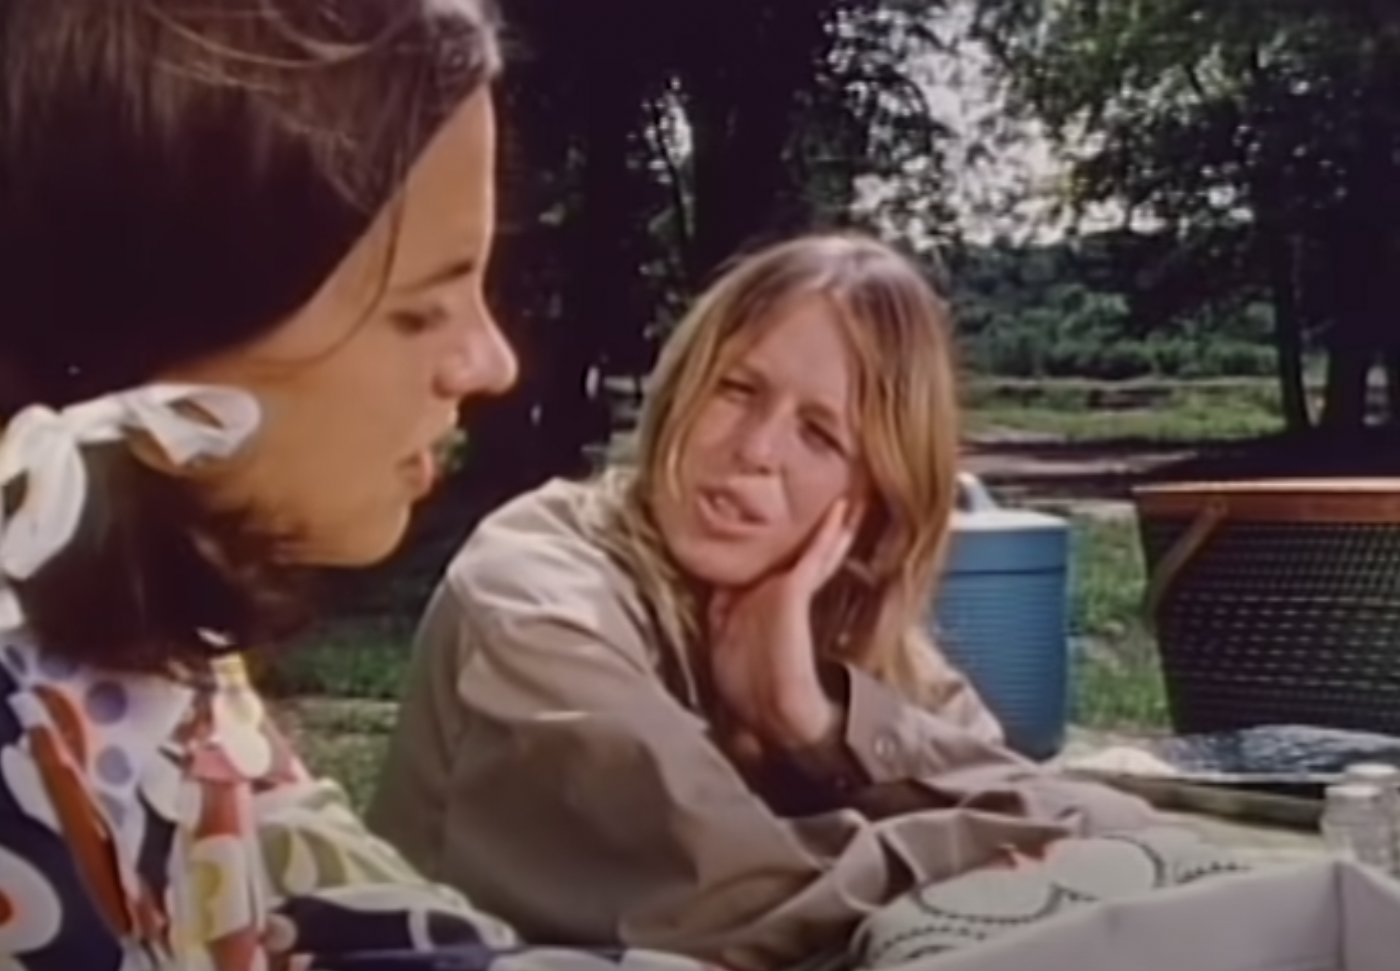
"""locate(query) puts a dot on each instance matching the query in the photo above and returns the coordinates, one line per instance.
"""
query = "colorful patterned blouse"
(148, 824)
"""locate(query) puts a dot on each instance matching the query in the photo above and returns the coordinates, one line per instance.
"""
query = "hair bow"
(44, 448)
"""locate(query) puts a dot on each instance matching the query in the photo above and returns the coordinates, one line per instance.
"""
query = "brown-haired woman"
(701, 690)
(241, 256)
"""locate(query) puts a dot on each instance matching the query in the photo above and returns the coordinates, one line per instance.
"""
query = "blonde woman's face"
(772, 447)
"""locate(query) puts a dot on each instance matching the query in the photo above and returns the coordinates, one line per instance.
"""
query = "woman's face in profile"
(359, 386)
(772, 447)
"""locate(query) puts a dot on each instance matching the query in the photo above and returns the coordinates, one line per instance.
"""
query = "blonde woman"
(691, 705)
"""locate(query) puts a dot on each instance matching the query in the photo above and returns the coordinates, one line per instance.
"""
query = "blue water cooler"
(1002, 615)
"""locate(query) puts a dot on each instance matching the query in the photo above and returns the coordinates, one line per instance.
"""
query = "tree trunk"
(600, 277)
(741, 107)
(1288, 332)
(1352, 268)
(1348, 366)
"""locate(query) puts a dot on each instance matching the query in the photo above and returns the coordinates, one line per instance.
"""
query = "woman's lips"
(424, 467)
(421, 471)
(724, 515)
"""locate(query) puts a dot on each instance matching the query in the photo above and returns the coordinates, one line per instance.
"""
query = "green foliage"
(1020, 352)
(1052, 312)
(1260, 141)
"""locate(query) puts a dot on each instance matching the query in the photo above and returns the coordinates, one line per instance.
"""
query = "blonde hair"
(873, 613)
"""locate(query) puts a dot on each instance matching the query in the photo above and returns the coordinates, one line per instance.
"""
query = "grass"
(362, 658)
(1168, 413)
(1117, 684)
(345, 739)
(1198, 421)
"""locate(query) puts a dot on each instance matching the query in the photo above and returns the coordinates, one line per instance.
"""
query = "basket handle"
(1187, 545)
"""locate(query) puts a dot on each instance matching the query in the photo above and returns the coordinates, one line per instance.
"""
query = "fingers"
(828, 547)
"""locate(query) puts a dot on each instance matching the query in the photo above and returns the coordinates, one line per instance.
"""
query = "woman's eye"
(734, 388)
(823, 439)
(414, 322)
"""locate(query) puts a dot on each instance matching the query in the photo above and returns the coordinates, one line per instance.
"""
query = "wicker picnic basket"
(1276, 602)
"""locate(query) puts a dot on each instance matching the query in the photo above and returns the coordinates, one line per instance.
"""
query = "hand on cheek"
(761, 648)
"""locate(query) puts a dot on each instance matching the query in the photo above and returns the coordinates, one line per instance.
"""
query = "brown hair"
(177, 177)
(872, 613)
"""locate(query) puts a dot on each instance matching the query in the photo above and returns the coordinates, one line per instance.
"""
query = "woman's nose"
(484, 363)
(758, 445)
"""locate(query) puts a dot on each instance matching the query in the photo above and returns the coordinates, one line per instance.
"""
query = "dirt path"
(1085, 478)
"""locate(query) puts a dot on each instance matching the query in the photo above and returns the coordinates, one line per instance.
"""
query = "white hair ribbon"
(43, 447)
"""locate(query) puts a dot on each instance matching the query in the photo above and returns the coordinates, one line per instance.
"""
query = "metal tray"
(1272, 773)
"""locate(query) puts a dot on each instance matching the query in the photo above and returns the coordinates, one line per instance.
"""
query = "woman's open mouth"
(424, 467)
(723, 513)
(421, 471)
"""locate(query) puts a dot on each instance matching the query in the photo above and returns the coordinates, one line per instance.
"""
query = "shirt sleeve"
(896, 757)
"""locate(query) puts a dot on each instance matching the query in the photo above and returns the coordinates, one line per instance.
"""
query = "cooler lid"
(1006, 520)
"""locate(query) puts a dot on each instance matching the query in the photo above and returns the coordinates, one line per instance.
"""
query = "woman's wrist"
(807, 719)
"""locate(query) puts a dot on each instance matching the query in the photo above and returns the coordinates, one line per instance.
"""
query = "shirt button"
(884, 748)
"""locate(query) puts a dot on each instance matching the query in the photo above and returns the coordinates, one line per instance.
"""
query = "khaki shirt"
(542, 765)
